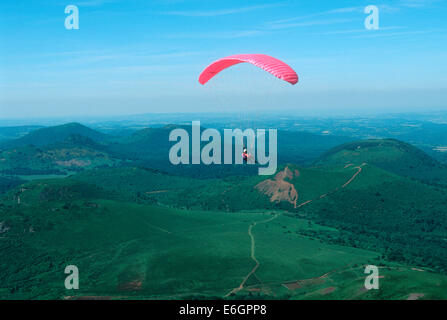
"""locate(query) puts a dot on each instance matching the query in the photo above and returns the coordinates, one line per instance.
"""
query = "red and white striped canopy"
(272, 65)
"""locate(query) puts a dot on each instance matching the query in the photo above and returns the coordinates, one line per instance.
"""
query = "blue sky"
(136, 56)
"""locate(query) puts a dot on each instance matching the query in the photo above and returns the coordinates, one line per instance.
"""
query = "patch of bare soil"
(74, 163)
(415, 296)
(292, 285)
(156, 191)
(87, 298)
(303, 283)
(130, 286)
(278, 189)
(327, 290)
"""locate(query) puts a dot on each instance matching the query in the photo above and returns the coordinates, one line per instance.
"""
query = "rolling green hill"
(140, 182)
(126, 250)
(76, 153)
(72, 147)
(303, 233)
(55, 151)
(50, 135)
(150, 148)
(385, 210)
(389, 154)
(301, 147)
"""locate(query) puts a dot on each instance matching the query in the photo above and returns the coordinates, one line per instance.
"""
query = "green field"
(139, 233)
(125, 249)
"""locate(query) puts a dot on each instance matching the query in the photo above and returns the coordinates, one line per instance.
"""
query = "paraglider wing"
(272, 65)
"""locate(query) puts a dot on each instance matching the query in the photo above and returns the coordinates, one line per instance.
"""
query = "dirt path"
(253, 242)
(156, 191)
(304, 203)
(359, 169)
(252, 254)
(355, 175)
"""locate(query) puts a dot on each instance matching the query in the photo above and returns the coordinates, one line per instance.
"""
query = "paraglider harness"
(245, 156)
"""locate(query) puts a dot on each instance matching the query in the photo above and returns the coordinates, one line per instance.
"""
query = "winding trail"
(252, 254)
(253, 242)
(355, 175)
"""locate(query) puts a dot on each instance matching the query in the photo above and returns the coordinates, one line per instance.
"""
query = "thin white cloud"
(378, 34)
(217, 35)
(345, 10)
(317, 14)
(91, 58)
(307, 23)
(361, 30)
(307, 20)
(402, 4)
(221, 12)
(417, 3)
(94, 3)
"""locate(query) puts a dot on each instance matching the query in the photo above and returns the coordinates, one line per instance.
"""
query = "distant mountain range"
(148, 148)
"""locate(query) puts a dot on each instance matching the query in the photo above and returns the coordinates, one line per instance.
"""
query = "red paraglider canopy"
(272, 65)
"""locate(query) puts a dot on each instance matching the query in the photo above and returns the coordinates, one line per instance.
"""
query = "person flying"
(245, 155)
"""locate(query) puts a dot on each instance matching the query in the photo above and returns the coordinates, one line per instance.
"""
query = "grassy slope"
(391, 155)
(50, 135)
(131, 179)
(144, 251)
(126, 249)
(404, 218)
(377, 209)
(396, 282)
(172, 252)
